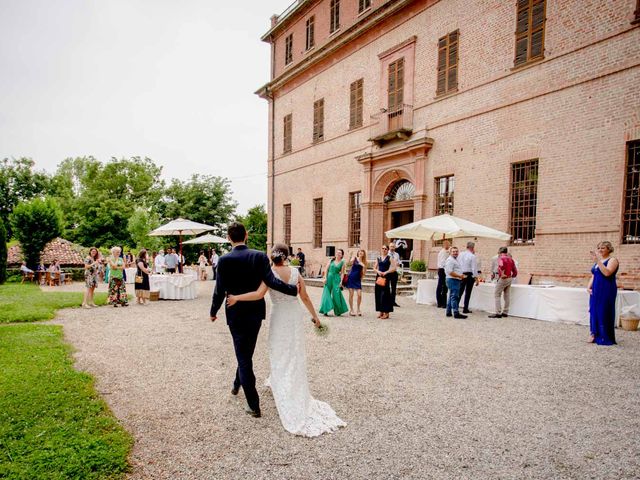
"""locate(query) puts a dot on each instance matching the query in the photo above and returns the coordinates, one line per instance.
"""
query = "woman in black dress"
(142, 278)
(384, 301)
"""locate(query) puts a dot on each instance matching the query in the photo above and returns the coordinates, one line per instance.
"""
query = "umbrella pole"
(180, 240)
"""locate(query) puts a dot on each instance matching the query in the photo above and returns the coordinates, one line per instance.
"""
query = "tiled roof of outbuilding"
(67, 253)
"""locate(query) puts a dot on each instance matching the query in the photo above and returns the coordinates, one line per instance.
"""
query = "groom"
(241, 271)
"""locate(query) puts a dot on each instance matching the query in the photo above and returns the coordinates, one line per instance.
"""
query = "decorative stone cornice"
(412, 146)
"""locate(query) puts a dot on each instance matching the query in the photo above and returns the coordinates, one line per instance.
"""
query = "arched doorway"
(399, 210)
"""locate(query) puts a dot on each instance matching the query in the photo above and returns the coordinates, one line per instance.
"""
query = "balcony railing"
(391, 124)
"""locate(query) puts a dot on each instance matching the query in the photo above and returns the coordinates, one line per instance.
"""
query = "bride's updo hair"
(279, 253)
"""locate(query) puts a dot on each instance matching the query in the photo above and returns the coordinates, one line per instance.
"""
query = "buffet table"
(174, 287)
(550, 303)
(131, 274)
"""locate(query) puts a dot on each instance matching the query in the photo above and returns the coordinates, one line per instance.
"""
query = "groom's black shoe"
(235, 390)
(253, 413)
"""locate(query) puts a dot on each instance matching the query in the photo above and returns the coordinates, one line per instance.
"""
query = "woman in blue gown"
(602, 295)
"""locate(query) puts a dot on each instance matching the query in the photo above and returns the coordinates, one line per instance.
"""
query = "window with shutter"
(334, 15)
(355, 103)
(637, 13)
(310, 33)
(447, 75)
(355, 199)
(524, 202)
(395, 94)
(444, 194)
(317, 223)
(287, 132)
(286, 223)
(318, 120)
(631, 217)
(530, 22)
(288, 49)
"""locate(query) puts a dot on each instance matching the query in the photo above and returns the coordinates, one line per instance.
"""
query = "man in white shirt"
(469, 265)
(159, 262)
(454, 274)
(214, 262)
(441, 289)
(24, 269)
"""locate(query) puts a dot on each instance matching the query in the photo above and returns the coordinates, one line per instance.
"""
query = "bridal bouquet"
(322, 330)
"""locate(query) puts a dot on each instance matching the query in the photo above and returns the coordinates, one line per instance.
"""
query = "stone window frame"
(355, 218)
(631, 195)
(317, 222)
(530, 31)
(523, 201)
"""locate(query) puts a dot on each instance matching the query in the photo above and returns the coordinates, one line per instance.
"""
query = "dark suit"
(242, 271)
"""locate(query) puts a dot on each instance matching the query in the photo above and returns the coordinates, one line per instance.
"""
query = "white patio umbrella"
(208, 238)
(179, 227)
(445, 226)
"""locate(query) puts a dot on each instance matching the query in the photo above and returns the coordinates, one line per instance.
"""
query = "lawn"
(27, 303)
(52, 422)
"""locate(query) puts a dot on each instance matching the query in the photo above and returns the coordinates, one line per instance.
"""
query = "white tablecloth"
(555, 304)
(131, 274)
(174, 287)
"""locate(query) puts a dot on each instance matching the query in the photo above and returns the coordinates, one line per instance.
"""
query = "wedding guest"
(354, 280)
(506, 272)
(392, 277)
(603, 291)
(124, 269)
(142, 287)
(202, 266)
(302, 260)
(129, 261)
(401, 247)
(158, 262)
(455, 276)
(42, 271)
(494, 266)
(441, 289)
(214, 263)
(469, 264)
(54, 273)
(384, 266)
(117, 287)
(91, 269)
(25, 269)
(332, 298)
(171, 261)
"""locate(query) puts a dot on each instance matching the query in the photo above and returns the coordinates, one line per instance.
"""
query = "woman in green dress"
(332, 298)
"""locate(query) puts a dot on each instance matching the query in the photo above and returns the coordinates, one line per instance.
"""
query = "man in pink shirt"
(507, 271)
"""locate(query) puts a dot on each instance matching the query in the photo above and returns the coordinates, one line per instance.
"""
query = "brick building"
(522, 115)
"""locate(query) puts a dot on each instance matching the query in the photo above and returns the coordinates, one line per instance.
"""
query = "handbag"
(345, 277)
(138, 279)
(381, 281)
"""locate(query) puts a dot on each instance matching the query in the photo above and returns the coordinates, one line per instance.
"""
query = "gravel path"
(423, 396)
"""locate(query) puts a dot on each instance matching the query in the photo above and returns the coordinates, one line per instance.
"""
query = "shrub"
(418, 266)
(34, 224)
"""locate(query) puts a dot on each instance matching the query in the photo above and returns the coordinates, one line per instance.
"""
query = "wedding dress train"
(299, 412)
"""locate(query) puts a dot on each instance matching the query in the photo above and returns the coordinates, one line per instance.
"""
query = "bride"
(299, 412)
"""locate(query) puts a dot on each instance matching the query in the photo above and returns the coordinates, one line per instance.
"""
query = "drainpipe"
(271, 98)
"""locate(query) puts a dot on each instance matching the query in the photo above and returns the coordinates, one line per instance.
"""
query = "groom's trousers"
(245, 337)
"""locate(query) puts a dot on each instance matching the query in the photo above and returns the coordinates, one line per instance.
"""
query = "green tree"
(99, 199)
(3, 253)
(19, 182)
(34, 224)
(255, 221)
(142, 221)
(204, 198)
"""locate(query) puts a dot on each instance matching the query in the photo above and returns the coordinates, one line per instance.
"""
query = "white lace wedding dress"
(299, 412)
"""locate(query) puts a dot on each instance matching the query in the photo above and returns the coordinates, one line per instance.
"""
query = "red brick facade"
(574, 110)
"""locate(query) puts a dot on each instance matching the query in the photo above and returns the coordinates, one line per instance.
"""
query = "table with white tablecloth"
(131, 274)
(174, 287)
(541, 302)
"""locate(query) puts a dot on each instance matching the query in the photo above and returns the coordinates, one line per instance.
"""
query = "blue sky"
(171, 80)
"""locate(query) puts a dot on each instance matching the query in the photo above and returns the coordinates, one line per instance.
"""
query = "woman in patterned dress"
(91, 269)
